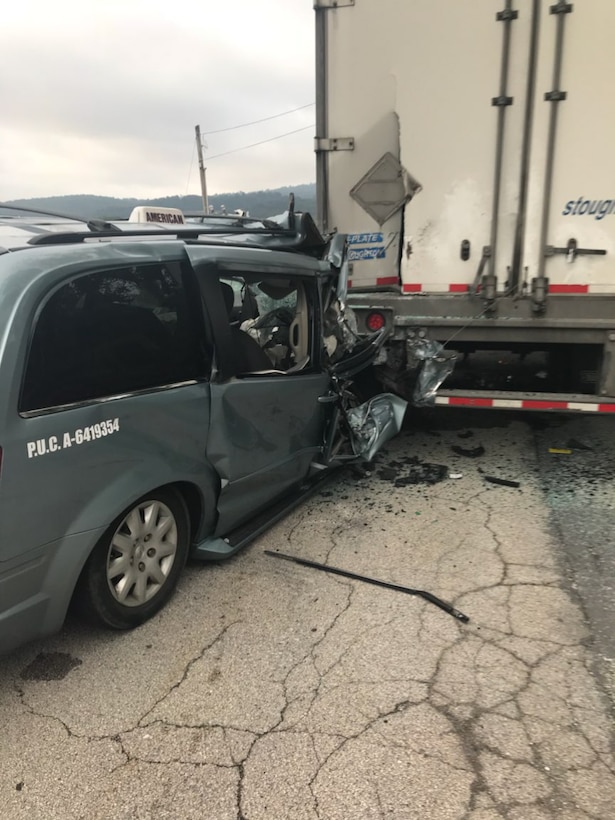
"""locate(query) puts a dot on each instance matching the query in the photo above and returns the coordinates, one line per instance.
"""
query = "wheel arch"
(201, 504)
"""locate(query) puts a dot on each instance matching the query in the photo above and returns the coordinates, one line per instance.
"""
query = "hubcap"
(142, 553)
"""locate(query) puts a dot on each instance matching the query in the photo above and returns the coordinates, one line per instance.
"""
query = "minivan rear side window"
(113, 332)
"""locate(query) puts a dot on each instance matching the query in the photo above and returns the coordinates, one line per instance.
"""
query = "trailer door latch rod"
(572, 250)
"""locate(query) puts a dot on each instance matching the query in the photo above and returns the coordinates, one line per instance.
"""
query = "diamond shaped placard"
(385, 188)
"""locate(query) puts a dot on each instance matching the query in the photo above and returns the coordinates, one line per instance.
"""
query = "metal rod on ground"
(421, 593)
(202, 169)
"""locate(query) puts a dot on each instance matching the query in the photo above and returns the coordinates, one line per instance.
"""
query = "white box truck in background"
(466, 147)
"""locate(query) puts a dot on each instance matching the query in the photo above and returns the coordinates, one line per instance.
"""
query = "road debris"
(420, 593)
(409, 471)
(455, 475)
(560, 451)
(575, 444)
(472, 452)
(503, 482)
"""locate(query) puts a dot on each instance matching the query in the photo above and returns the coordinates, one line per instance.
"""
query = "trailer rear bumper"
(544, 402)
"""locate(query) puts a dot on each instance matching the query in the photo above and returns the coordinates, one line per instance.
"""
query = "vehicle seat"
(249, 355)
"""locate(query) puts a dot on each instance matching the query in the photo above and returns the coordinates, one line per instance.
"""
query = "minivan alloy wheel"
(134, 568)
(142, 553)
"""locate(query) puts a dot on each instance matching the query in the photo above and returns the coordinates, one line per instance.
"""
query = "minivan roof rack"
(66, 238)
(300, 232)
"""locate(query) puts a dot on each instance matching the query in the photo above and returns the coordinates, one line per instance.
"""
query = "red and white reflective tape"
(435, 287)
(525, 404)
(458, 287)
(568, 288)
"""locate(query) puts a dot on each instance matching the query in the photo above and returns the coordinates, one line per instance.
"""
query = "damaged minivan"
(166, 391)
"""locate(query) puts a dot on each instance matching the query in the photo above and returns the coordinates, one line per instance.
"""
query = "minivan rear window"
(113, 332)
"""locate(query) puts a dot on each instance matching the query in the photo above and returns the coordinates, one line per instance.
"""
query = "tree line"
(257, 203)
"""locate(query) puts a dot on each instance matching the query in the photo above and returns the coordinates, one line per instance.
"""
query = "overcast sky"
(102, 96)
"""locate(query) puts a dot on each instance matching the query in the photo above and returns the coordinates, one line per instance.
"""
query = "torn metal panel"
(437, 364)
(340, 331)
(376, 421)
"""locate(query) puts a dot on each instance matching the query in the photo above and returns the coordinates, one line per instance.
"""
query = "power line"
(262, 142)
(255, 122)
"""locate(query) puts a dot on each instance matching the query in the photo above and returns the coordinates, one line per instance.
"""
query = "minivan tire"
(134, 569)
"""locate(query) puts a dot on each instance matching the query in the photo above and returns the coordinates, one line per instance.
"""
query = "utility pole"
(202, 169)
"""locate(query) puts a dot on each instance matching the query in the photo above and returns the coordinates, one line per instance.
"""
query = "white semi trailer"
(467, 148)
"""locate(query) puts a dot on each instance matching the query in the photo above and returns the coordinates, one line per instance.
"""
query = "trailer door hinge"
(332, 4)
(540, 291)
(322, 144)
(507, 14)
(561, 7)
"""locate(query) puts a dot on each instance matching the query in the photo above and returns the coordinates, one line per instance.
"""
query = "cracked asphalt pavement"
(268, 690)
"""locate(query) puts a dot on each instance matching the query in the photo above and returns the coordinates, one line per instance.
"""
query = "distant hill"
(257, 203)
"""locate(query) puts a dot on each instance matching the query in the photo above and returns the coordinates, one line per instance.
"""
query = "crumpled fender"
(376, 421)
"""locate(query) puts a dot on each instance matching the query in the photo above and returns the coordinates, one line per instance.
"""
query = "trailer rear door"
(493, 177)
(571, 205)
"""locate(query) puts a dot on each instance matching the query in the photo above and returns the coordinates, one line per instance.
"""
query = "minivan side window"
(113, 332)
